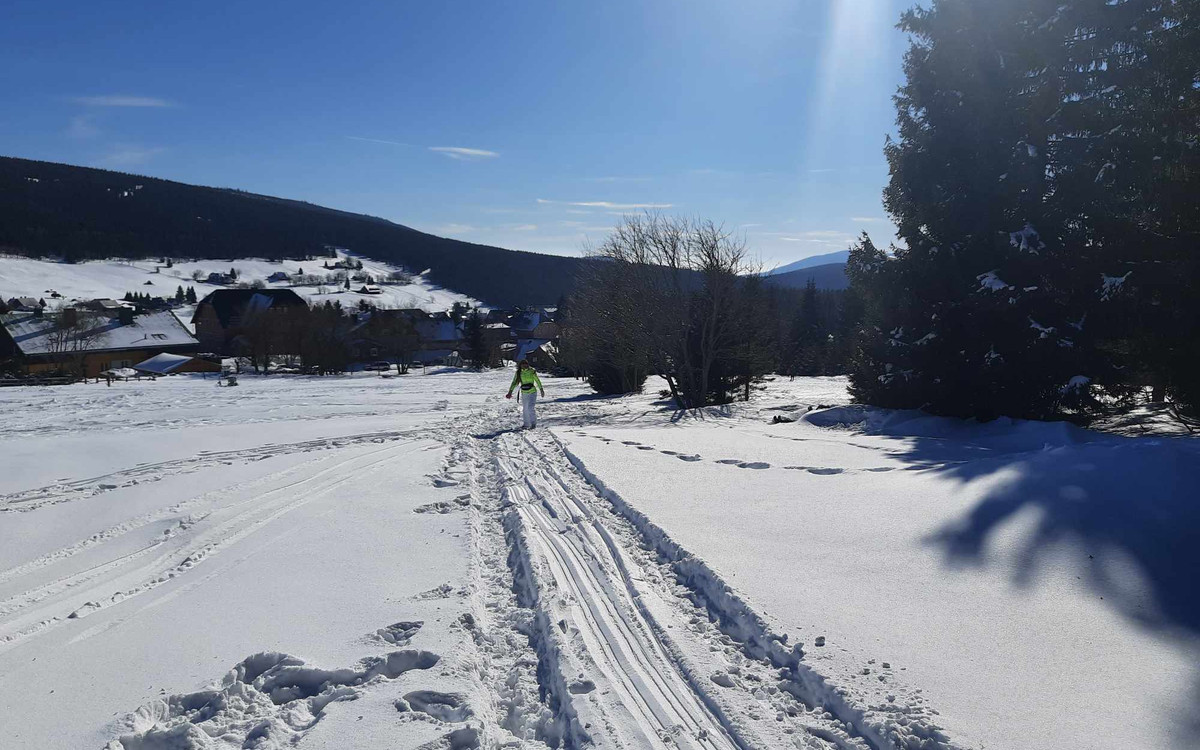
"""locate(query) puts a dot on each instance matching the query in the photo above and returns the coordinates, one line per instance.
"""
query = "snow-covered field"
(28, 277)
(361, 562)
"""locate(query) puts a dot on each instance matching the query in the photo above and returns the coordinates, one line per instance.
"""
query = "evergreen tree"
(807, 337)
(1029, 181)
(190, 296)
(180, 295)
(477, 351)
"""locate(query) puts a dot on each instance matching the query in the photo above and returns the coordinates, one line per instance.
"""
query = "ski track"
(625, 654)
(629, 627)
(619, 640)
(61, 492)
(85, 592)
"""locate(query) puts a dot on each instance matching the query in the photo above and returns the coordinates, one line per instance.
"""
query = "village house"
(534, 337)
(217, 278)
(25, 304)
(221, 317)
(434, 338)
(86, 343)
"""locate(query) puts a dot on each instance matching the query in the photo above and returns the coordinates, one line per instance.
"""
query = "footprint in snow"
(645, 448)
(265, 692)
(732, 461)
(440, 592)
(881, 468)
(398, 634)
(441, 706)
(824, 471)
(689, 459)
(754, 465)
(629, 442)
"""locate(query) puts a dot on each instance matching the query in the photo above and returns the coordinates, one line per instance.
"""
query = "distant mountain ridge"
(81, 213)
(841, 256)
(826, 276)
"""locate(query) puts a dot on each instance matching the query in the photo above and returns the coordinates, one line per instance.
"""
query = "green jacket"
(528, 379)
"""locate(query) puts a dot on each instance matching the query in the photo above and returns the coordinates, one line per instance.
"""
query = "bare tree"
(670, 296)
(71, 333)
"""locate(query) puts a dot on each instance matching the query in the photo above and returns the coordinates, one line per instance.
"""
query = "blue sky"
(530, 125)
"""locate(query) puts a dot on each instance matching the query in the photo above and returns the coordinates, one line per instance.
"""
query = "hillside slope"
(827, 276)
(80, 213)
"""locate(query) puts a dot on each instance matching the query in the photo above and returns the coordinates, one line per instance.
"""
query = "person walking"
(530, 384)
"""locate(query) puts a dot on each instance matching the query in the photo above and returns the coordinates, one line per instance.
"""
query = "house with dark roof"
(220, 318)
(86, 343)
(436, 336)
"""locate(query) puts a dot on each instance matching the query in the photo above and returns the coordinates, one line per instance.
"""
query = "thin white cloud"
(455, 229)
(607, 204)
(116, 100)
(616, 179)
(129, 156)
(82, 126)
(867, 218)
(524, 227)
(379, 140)
(464, 154)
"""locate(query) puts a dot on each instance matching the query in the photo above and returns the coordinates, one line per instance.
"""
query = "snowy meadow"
(368, 562)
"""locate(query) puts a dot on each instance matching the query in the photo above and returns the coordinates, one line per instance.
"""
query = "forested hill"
(79, 213)
(825, 276)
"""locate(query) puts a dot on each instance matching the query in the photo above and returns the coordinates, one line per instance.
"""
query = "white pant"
(528, 415)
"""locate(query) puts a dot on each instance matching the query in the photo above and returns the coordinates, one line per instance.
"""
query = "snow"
(1043, 331)
(1028, 581)
(113, 278)
(368, 562)
(1026, 240)
(992, 282)
(1077, 383)
(1110, 286)
(201, 526)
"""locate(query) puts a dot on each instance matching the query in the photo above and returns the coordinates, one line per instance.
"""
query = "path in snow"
(636, 647)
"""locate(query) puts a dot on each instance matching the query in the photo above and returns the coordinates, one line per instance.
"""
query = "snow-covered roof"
(164, 363)
(526, 347)
(32, 333)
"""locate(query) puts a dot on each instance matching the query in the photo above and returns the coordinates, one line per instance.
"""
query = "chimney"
(37, 312)
(70, 316)
(125, 316)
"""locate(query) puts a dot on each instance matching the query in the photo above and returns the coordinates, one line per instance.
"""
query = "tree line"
(683, 299)
(1044, 179)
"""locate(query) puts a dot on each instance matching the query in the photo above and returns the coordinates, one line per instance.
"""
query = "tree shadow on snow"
(495, 434)
(1128, 507)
